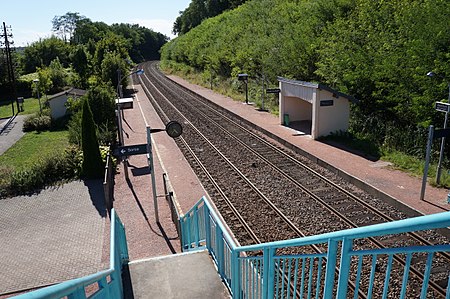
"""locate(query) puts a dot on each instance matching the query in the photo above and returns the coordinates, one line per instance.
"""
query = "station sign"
(443, 107)
(273, 90)
(326, 103)
(439, 133)
(129, 150)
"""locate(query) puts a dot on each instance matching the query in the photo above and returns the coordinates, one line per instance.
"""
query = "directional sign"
(129, 150)
(439, 133)
(441, 106)
(273, 90)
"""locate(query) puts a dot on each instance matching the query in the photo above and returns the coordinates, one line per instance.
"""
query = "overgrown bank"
(377, 51)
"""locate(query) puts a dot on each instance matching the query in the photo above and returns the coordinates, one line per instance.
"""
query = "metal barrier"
(263, 271)
(109, 282)
(174, 212)
(108, 183)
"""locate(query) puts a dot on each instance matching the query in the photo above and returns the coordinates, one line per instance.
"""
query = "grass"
(32, 147)
(31, 105)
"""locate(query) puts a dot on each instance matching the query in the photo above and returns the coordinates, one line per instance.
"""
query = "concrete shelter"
(313, 108)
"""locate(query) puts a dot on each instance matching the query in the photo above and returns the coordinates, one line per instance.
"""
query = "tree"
(44, 51)
(64, 26)
(92, 167)
(81, 64)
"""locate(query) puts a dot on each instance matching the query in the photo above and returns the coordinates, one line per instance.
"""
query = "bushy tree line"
(199, 10)
(84, 52)
(377, 51)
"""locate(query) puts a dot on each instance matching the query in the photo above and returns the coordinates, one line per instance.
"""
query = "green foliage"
(199, 10)
(33, 147)
(74, 128)
(65, 25)
(44, 51)
(37, 122)
(142, 43)
(92, 162)
(47, 171)
(80, 63)
(378, 51)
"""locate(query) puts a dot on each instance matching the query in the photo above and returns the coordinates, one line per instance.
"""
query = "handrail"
(434, 221)
(75, 288)
(256, 271)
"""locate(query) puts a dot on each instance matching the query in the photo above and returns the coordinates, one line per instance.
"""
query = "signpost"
(432, 134)
(125, 151)
(443, 107)
(173, 129)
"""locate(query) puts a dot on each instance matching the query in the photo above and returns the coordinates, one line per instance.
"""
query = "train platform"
(389, 183)
(158, 268)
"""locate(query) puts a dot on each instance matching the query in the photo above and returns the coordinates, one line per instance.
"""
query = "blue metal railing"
(109, 282)
(263, 271)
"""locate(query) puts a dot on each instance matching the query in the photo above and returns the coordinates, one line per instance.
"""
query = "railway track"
(267, 192)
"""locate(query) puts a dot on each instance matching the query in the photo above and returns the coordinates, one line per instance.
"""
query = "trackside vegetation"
(85, 54)
(377, 51)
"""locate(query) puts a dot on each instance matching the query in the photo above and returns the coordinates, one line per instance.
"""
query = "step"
(185, 275)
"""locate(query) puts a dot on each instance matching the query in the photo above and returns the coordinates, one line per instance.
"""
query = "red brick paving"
(134, 199)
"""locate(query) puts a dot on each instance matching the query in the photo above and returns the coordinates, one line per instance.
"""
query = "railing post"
(219, 251)
(344, 268)
(207, 228)
(330, 269)
(269, 270)
(235, 275)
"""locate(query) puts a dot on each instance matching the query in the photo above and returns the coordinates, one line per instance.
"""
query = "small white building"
(58, 101)
(313, 109)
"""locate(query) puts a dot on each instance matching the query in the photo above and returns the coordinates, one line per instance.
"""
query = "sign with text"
(129, 150)
(439, 133)
(326, 103)
(273, 90)
(441, 106)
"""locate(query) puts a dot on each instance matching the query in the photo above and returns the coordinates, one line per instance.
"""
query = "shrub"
(92, 161)
(37, 123)
(48, 171)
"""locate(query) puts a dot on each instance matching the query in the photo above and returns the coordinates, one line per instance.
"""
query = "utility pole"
(9, 64)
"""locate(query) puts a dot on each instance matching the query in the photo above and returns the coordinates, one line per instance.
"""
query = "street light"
(36, 81)
(441, 154)
(118, 89)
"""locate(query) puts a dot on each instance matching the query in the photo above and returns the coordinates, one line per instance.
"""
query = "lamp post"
(119, 95)
(36, 81)
(120, 79)
(441, 153)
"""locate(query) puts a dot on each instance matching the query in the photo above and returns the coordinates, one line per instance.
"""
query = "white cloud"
(158, 25)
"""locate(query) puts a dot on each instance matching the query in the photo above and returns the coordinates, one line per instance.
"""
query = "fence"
(337, 270)
(108, 183)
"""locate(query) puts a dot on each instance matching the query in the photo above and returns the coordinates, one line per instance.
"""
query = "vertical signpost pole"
(441, 153)
(152, 173)
(427, 162)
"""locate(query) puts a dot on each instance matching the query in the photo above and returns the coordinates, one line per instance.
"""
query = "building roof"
(318, 86)
(76, 92)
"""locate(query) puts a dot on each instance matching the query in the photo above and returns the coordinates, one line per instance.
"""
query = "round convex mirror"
(174, 129)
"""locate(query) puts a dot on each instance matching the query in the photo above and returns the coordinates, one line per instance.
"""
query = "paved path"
(10, 134)
(52, 236)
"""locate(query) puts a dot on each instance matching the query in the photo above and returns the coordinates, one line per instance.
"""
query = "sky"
(32, 19)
